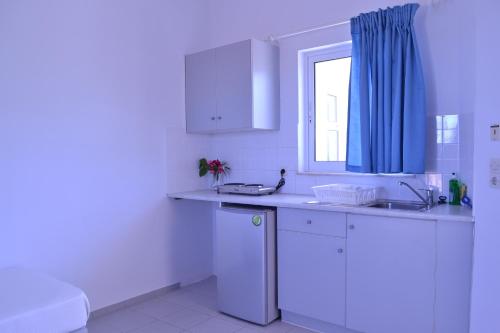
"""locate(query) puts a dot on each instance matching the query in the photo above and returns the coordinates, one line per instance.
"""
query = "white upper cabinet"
(391, 265)
(200, 92)
(233, 88)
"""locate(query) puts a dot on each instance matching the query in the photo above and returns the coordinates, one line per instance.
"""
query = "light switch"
(495, 172)
(495, 132)
(495, 165)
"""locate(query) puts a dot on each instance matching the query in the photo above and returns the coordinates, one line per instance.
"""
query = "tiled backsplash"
(257, 157)
(450, 146)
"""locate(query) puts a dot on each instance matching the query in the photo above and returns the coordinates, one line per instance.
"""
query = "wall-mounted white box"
(233, 88)
(495, 132)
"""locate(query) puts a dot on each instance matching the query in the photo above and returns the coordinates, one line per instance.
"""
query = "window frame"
(310, 58)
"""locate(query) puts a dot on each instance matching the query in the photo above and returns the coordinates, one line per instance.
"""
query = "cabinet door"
(200, 92)
(311, 275)
(390, 274)
(234, 86)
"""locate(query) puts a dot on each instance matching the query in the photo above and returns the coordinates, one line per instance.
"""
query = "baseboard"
(312, 324)
(134, 300)
(195, 279)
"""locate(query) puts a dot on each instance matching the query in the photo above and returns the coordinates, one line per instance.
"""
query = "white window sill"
(355, 174)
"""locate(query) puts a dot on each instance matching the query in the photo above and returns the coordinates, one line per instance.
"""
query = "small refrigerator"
(245, 263)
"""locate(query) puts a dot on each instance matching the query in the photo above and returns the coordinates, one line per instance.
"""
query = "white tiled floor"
(190, 309)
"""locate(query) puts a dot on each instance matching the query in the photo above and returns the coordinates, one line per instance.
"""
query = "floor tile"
(182, 297)
(206, 310)
(275, 327)
(215, 324)
(100, 325)
(205, 300)
(158, 327)
(187, 318)
(125, 320)
(189, 299)
(297, 329)
(158, 308)
(206, 285)
(208, 288)
(189, 309)
(234, 320)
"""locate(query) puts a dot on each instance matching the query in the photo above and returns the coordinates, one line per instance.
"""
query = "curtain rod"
(321, 27)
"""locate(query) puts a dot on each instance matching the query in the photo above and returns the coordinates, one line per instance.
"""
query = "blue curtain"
(387, 115)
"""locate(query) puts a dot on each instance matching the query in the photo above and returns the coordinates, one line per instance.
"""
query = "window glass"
(331, 92)
(324, 98)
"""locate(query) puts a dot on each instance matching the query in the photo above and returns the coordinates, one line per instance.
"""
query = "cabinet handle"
(213, 118)
(309, 222)
(219, 117)
(340, 251)
(351, 226)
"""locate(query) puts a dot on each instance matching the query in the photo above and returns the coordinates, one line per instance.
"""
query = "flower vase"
(216, 182)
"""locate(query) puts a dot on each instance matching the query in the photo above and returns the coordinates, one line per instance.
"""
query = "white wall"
(92, 131)
(92, 138)
(257, 157)
(486, 278)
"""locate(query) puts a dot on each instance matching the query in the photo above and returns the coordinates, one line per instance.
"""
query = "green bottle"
(454, 188)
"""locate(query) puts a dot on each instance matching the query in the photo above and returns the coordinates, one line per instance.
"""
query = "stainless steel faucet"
(429, 194)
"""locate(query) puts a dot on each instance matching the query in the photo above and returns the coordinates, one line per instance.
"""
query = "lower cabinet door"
(311, 275)
(390, 274)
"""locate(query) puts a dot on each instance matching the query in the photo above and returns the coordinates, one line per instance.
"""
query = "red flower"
(217, 168)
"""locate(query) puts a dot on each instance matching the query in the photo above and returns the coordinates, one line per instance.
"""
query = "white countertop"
(441, 212)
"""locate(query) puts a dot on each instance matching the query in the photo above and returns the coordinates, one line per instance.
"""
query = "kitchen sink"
(384, 204)
(402, 205)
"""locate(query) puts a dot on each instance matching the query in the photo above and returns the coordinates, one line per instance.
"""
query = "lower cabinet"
(311, 264)
(391, 266)
(349, 273)
(311, 275)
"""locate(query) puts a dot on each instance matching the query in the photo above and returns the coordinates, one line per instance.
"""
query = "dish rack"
(345, 194)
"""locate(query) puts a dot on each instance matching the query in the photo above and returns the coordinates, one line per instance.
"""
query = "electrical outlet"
(495, 132)
(494, 181)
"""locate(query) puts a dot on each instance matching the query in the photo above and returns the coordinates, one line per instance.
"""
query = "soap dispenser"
(454, 191)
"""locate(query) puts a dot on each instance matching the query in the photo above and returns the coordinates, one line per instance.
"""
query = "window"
(326, 73)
